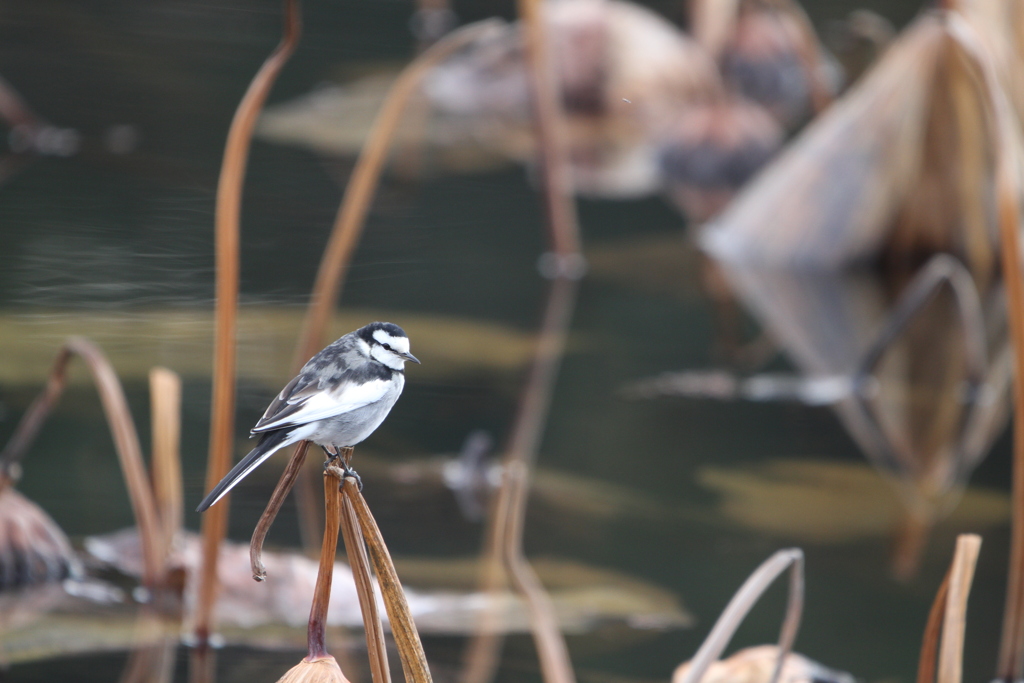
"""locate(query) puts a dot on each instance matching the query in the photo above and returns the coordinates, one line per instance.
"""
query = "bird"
(340, 396)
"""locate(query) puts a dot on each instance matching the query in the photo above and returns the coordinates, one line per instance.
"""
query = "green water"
(100, 232)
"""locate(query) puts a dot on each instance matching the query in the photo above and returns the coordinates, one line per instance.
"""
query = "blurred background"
(705, 415)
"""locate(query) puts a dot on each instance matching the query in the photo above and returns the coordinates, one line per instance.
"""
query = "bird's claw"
(347, 471)
(342, 470)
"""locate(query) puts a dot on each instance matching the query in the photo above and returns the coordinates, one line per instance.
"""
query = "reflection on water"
(182, 338)
(583, 596)
(830, 502)
(886, 277)
(663, 501)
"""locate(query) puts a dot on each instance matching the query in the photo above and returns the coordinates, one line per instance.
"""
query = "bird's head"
(388, 344)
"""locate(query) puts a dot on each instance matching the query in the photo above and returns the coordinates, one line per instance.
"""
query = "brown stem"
(229, 203)
(941, 659)
(403, 628)
(484, 649)
(503, 544)
(351, 217)
(32, 421)
(355, 548)
(129, 453)
(556, 665)
(284, 485)
(122, 429)
(165, 406)
(504, 535)
(740, 605)
(549, 122)
(926, 662)
(951, 650)
(322, 593)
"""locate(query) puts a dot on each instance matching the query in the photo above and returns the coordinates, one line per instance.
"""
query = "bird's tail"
(269, 443)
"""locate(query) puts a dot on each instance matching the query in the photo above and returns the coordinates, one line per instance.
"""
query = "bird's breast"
(348, 429)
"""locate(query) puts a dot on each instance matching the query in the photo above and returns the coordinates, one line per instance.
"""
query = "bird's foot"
(347, 471)
(341, 469)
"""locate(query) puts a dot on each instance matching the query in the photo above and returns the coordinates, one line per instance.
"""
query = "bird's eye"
(387, 346)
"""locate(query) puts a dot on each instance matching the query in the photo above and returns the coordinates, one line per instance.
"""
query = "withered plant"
(921, 157)
(738, 608)
(227, 233)
(157, 522)
(942, 648)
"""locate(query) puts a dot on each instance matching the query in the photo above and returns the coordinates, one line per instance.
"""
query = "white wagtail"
(338, 399)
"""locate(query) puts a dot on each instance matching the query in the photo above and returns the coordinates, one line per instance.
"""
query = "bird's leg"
(346, 469)
(330, 455)
(349, 472)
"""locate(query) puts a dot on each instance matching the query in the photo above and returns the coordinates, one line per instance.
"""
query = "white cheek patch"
(397, 343)
(388, 358)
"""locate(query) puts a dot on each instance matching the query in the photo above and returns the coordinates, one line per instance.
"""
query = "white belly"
(352, 427)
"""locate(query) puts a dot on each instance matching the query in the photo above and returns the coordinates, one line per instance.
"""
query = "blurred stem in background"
(155, 544)
(152, 661)
(345, 235)
(228, 211)
(941, 660)
(564, 265)
(739, 607)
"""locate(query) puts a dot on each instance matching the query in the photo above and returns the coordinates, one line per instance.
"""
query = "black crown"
(392, 329)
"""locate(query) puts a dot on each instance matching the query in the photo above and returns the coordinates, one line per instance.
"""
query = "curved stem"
(742, 602)
(351, 216)
(942, 646)
(284, 485)
(228, 211)
(927, 660)
(316, 633)
(925, 285)
(126, 443)
(349, 223)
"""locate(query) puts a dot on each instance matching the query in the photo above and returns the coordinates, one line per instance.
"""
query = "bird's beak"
(409, 356)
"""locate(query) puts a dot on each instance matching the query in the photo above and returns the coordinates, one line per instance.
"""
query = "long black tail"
(269, 443)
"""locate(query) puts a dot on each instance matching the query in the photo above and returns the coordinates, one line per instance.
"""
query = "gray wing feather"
(285, 403)
(332, 375)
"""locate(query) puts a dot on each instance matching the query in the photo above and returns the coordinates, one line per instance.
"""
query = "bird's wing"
(306, 399)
